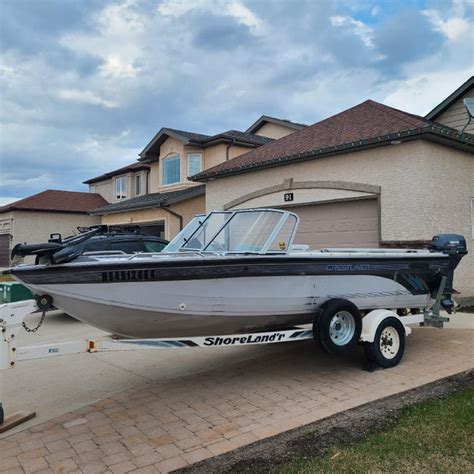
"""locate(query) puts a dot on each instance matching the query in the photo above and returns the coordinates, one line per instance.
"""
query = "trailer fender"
(371, 321)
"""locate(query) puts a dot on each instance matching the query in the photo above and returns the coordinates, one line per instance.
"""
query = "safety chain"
(27, 329)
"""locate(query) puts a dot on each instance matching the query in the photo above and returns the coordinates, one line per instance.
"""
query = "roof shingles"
(57, 201)
(134, 167)
(368, 121)
(153, 200)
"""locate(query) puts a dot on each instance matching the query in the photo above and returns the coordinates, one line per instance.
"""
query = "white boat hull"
(220, 306)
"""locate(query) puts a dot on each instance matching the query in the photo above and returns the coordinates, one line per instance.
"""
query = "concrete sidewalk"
(172, 420)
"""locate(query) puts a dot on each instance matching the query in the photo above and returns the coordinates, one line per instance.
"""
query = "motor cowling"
(450, 244)
(455, 246)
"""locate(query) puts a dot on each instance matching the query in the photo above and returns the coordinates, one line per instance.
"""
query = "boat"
(239, 271)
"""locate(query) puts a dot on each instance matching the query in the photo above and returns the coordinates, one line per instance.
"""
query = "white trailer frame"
(12, 316)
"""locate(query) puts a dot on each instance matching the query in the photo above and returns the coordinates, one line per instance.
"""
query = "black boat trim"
(419, 275)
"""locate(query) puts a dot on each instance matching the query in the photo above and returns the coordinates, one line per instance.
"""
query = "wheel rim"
(389, 342)
(342, 328)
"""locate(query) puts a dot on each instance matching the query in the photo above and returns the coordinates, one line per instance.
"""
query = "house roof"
(53, 200)
(238, 137)
(125, 169)
(457, 94)
(152, 151)
(153, 200)
(267, 119)
(369, 124)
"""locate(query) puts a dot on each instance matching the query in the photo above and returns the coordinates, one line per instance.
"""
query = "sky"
(86, 84)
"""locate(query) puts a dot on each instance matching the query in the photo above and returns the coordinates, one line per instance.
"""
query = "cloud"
(85, 97)
(364, 32)
(423, 92)
(244, 15)
(452, 28)
(86, 85)
(4, 200)
(43, 180)
(404, 37)
(115, 66)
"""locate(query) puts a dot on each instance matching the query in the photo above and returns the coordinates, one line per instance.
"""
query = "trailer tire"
(389, 344)
(337, 326)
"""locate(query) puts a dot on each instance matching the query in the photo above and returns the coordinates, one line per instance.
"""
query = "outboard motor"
(453, 245)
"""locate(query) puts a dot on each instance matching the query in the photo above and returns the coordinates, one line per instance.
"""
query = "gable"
(273, 130)
(456, 116)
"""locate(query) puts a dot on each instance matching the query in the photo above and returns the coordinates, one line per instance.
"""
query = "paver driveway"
(164, 426)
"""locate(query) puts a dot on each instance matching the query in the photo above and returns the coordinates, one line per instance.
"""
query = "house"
(123, 183)
(156, 192)
(34, 218)
(451, 111)
(369, 176)
(274, 127)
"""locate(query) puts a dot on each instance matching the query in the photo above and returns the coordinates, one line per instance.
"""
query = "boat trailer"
(383, 342)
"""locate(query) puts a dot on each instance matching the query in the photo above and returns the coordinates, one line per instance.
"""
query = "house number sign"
(288, 197)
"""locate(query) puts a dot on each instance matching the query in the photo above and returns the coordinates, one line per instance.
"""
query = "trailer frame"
(12, 317)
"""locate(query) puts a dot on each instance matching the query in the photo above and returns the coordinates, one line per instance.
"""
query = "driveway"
(157, 411)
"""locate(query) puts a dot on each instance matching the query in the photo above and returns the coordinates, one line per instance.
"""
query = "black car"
(121, 242)
(105, 240)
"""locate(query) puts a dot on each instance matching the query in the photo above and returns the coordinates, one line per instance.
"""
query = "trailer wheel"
(389, 344)
(338, 325)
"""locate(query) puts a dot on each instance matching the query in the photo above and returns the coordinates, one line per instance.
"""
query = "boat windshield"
(243, 231)
(180, 239)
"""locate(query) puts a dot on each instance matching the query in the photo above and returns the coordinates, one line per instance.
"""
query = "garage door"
(4, 250)
(343, 224)
(156, 229)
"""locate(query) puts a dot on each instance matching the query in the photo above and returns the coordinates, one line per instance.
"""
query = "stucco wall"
(456, 116)
(425, 189)
(187, 209)
(211, 156)
(105, 188)
(36, 227)
(302, 196)
(217, 154)
(273, 130)
(171, 146)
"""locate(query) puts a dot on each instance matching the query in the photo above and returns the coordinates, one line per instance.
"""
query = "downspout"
(227, 150)
(175, 214)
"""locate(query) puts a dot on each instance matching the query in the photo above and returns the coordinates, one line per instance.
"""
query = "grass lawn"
(437, 436)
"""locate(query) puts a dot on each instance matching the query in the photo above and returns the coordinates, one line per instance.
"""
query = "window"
(128, 246)
(121, 188)
(92, 189)
(245, 232)
(194, 163)
(153, 246)
(171, 170)
(138, 185)
(96, 246)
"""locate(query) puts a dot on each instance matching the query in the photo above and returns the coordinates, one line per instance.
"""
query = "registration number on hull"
(128, 275)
